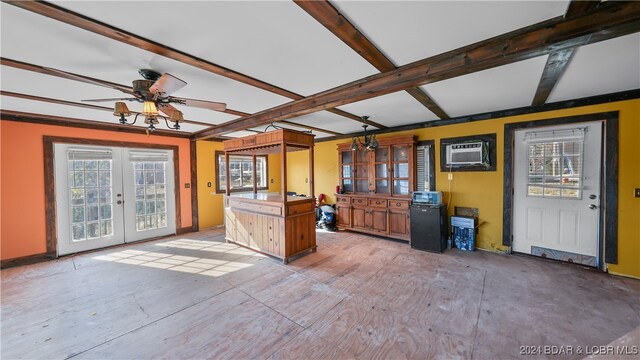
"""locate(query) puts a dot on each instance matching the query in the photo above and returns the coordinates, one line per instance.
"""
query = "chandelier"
(151, 115)
(370, 142)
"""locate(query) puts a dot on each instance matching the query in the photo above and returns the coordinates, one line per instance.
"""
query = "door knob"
(119, 202)
(592, 196)
(592, 206)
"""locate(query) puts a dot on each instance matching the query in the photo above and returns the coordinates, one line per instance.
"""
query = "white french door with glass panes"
(111, 195)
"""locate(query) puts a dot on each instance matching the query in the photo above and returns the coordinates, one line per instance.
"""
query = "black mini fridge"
(429, 227)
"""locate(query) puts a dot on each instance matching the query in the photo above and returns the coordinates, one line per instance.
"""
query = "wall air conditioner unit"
(470, 153)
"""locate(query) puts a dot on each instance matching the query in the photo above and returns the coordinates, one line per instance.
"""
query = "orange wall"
(22, 215)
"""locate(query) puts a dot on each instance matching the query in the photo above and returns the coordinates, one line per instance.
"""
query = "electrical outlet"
(450, 176)
(637, 192)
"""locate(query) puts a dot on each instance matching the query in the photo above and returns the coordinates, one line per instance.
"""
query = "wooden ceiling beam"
(11, 115)
(612, 19)
(75, 19)
(327, 15)
(82, 105)
(558, 61)
(89, 80)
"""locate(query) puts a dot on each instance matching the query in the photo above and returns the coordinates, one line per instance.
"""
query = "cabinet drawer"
(344, 200)
(359, 201)
(377, 202)
(299, 208)
(399, 204)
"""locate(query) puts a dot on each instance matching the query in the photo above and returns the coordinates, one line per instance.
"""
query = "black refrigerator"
(429, 227)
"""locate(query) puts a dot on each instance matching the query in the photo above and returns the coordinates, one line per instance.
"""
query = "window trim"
(220, 190)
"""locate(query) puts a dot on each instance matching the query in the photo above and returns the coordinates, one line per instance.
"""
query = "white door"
(149, 194)
(557, 192)
(110, 195)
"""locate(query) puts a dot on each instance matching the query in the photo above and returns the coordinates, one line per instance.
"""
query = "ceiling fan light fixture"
(122, 111)
(149, 109)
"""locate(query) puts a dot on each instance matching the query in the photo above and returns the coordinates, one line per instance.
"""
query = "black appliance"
(429, 227)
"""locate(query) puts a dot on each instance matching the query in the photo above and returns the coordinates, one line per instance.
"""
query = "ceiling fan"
(154, 91)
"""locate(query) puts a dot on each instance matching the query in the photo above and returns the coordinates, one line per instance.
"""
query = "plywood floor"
(195, 296)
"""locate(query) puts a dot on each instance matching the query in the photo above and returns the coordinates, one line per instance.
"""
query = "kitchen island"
(262, 222)
(272, 223)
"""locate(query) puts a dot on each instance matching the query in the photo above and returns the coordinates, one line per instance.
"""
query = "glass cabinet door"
(362, 171)
(346, 174)
(381, 171)
(400, 174)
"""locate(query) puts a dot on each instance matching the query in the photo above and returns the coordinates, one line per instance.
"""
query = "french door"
(557, 174)
(112, 195)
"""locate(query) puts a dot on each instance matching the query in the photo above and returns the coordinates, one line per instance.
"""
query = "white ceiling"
(279, 43)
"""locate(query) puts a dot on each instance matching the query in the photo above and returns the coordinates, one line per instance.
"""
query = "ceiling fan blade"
(167, 84)
(112, 99)
(204, 104)
(90, 80)
(167, 109)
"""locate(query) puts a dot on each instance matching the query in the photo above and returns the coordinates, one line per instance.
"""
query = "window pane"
(159, 177)
(401, 170)
(92, 213)
(106, 228)
(105, 212)
(362, 171)
(105, 195)
(362, 156)
(151, 207)
(381, 171)
(140, 223)
(77, 232)
(382, 155)
(140, 208)
(382, 186)
(400, 153)
(91, 178)
(162, 220)
(347, 185)
(139, 177)
(160, 207)
(362, 186)
(78, 179)
(401, 187)
(149, 177)
(139, 192)
(347, 157)
(91, 165)
(93, 230)
(77, 214)
(149, 166)
(92, 196)
(105, 178)
(77, 196)
(346, 171)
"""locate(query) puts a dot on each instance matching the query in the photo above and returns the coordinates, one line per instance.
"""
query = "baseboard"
(184, 230)
(24, 260)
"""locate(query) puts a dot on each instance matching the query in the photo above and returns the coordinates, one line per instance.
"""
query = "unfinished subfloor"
(194, 296)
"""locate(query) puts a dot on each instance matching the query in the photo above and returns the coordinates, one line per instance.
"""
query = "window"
(241, 172)
(425, 166)
(555, 164)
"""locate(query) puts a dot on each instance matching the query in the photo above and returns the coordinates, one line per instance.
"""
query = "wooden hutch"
(276, 224)
(377, 187)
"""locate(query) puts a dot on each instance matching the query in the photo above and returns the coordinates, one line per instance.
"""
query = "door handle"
(592, 196)
(592, 206)
(119, 202)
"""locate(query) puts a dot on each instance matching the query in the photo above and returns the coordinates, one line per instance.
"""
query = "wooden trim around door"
(49, 180)
(609, 192)
(193, 154)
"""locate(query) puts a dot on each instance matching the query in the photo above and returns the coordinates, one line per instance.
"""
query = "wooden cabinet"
(377, 187)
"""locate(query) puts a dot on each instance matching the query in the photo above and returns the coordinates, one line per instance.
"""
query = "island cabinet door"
(344, 216)
(230, 225)
(399, 223)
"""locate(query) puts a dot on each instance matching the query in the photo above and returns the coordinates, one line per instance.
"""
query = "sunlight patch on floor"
(200, 245)
(188, 264)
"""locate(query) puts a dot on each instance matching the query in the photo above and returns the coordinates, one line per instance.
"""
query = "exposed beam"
(610, 20)
(558, 61)
(77, 104)
(11, 115)
(327, 15)
(75, 19)
(86, 79)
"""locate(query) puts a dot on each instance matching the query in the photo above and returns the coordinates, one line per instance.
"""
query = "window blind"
(89, 154)
(145, 156)
(575, 134)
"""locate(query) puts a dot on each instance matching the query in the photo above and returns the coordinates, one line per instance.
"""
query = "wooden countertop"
(268, 197)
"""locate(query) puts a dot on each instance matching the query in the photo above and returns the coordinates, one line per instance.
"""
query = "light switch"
(187, 185)
(209, 184)
(637, 192)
